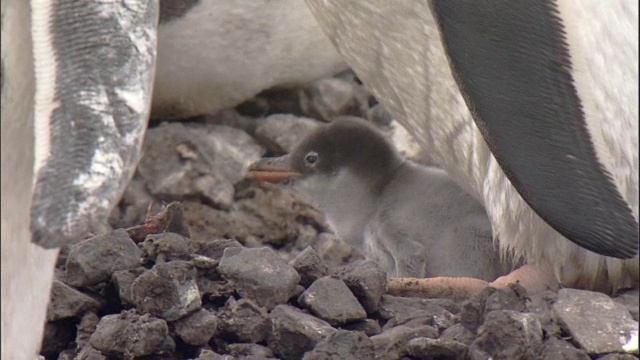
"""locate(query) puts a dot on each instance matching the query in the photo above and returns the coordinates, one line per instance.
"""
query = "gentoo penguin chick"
(412, 220)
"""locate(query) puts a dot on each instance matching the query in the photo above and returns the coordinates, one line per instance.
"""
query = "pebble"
(197, 328)
(425, 348)
(122, 280)
(249, 351)
(309, 266)
(331, 300)
(244, 321)
(94, 260)
(507, 334)
(130, 335)
(555, 348)
(281, 132)
(328, 98)
(259, 274)
(413, 312)
(343, 344)
(67, 302)
(166, 247)
(168, 290)
(295, 332)
(367, 281)
(596, 322)
(392, 343)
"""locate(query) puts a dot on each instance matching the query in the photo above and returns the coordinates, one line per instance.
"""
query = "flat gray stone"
(259, 274)
(294, 332)
(67, 302)
(331, 300)
(281, 132)
(555, 348)
(596, 322)
(197, 328)
(367, 281)
(249, 351)
(168, 290)
(424, 348)
(94, 260)
(413, 312)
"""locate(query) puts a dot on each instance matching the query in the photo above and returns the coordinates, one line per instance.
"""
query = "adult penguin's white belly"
(216, 54)
(396, 50)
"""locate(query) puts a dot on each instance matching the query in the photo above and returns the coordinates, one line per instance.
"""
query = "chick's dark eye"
(311, 158)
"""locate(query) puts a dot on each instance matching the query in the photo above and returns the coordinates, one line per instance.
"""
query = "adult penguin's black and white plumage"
(552, 87)
(397, 50)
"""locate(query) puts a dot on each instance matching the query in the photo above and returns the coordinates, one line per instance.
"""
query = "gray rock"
(512, 297)
(630, 299)
(342, 345)
(129, 335)
(56, 337)
(67, 354)
(331, 300)
(541, 305)
(392, 343)
(426, 348)
(87, 326)
(215, 248)
(249, 351)
(67, 302)
(472, 310)
(309, 266)
(294, 332)
(367, 280)
(368, 326)
(506, 334)
(196, 159)
(122, 281)
(618, 356)
(166, 247)
(413, 312)
(328, 98)
(244, 321)
(197, 328)
(334, 251)
(259, 274)
(596, 322)
(90, 353)
(458, 333)
(555, 348)
(281, 132)
(210, 355)
(94, 260)
(168, 290)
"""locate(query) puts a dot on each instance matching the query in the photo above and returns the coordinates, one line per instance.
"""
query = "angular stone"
(129, 334)
(168, 290)
(392, 343)
(367, 280)
(596, 322)
(249, 351)
(328, 98)
(294, 332)
(87, 326)
(122, 281)
(458, 333)
(472, 310)
(244, 321)
(281, 132)
(334, 251)
(197, 328)
(94, 260)
(343, 345)
(310, 266)
(259, 274)
(555, 348)
(511, 297)
(413, 312)
(425, 348)
(506, 334)
(210, 355)
(331, 300)
(67, 302)
(166, 247)
(368, 326)
(90, 353)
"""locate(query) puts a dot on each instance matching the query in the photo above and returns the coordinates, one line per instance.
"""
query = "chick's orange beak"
(272, 170)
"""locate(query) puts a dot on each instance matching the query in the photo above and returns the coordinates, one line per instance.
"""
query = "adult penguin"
(531, 106)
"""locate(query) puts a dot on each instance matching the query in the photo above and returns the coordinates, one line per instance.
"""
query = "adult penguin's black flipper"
(511, 61)
(94, 65)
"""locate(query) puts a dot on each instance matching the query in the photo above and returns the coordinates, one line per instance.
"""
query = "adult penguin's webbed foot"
(534, 278)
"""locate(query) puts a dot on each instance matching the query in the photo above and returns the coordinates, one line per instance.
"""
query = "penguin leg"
(535, 278)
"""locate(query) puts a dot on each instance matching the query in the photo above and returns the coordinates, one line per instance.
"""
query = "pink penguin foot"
(534, 278)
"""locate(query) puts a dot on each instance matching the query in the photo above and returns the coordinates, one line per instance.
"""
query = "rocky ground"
(205, 264)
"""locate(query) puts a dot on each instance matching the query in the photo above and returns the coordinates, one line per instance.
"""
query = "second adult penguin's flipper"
(94, 67)
(512, 63)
